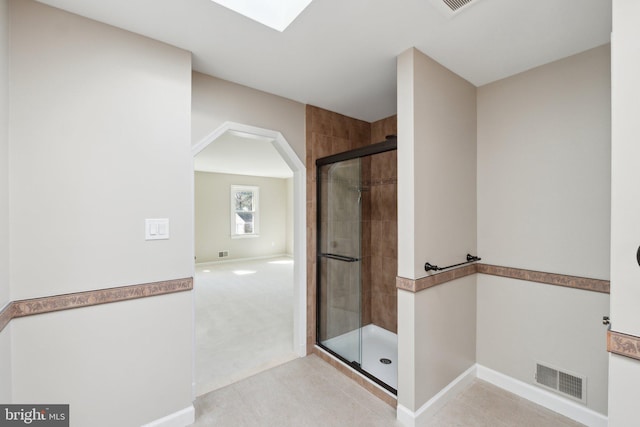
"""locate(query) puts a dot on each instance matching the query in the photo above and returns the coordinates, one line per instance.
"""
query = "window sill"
(244, 236)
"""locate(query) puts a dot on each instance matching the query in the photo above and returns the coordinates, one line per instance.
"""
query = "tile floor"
(244, 319)
(308, 392)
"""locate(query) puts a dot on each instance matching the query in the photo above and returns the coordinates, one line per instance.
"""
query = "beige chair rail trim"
(435, 279)
(623, 344)
(30, 307)
(584, 283)
(617, 343)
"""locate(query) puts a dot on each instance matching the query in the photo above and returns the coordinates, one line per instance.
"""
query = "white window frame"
(256, 210)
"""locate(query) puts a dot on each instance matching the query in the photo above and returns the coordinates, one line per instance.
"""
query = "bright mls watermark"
(34, 415)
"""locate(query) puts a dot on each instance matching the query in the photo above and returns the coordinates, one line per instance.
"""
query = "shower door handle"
(339, 257)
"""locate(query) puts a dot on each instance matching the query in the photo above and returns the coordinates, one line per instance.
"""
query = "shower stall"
(357, 259)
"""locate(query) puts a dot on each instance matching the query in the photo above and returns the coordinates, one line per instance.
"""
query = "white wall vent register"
(562, 382)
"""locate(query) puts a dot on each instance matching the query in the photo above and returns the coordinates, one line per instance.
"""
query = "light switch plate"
(156, 228)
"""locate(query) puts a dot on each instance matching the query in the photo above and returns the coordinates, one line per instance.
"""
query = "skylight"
(277, 14)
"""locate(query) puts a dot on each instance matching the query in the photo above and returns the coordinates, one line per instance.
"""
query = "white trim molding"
(551, 401)
(181, 418)
(409, 418)
(539, 396)
(253, 258)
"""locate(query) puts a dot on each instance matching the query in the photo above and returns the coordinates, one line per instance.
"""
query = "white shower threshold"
(378, 346)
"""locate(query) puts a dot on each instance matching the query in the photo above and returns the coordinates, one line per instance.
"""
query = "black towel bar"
(470, 259)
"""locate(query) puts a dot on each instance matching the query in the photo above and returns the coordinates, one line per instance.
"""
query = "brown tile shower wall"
(383, 128)
(365, 223)
(331, 133)
(384, 241)
(383, 230)
(327, 133)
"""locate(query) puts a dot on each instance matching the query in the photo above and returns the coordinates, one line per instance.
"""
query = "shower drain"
(385, 361)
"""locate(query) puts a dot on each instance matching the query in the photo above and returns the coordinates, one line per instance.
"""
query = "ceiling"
(242, 154)
(341, 54)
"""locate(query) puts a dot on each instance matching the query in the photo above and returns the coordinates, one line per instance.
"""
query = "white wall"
(625, 204)
(623, 391)
(436, 339)
(445, 330)
(6, 364)
(406, 168)
(122, 364)
(625, 208)
(543, 204)
(437, 151)
(523, 323)
(99, 141)
(436, 223)
(99, 119)
(216, 101)
(212, 223)
(4, 153)
(5, 339)
(544, 167)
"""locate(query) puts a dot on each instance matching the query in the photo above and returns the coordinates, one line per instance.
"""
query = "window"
(277, 14)
(244, 211)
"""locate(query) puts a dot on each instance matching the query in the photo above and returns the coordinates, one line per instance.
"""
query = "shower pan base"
(378, 347)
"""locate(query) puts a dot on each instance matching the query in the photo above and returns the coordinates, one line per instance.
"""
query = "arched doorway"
(299, 218)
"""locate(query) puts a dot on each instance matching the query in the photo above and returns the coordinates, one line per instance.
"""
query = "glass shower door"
(339, 258)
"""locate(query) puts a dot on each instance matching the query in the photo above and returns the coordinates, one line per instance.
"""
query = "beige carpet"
(244, 319)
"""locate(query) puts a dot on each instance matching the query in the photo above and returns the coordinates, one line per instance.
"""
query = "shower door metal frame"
(369, 150)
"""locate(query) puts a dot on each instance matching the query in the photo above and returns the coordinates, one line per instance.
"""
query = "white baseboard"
(302, 350)
(426, 411)
(224, 261)
(551, 401)
(182, 418)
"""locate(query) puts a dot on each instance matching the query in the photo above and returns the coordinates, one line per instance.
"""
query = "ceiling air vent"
(451, 8)
(454, 5)
(564, 383)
